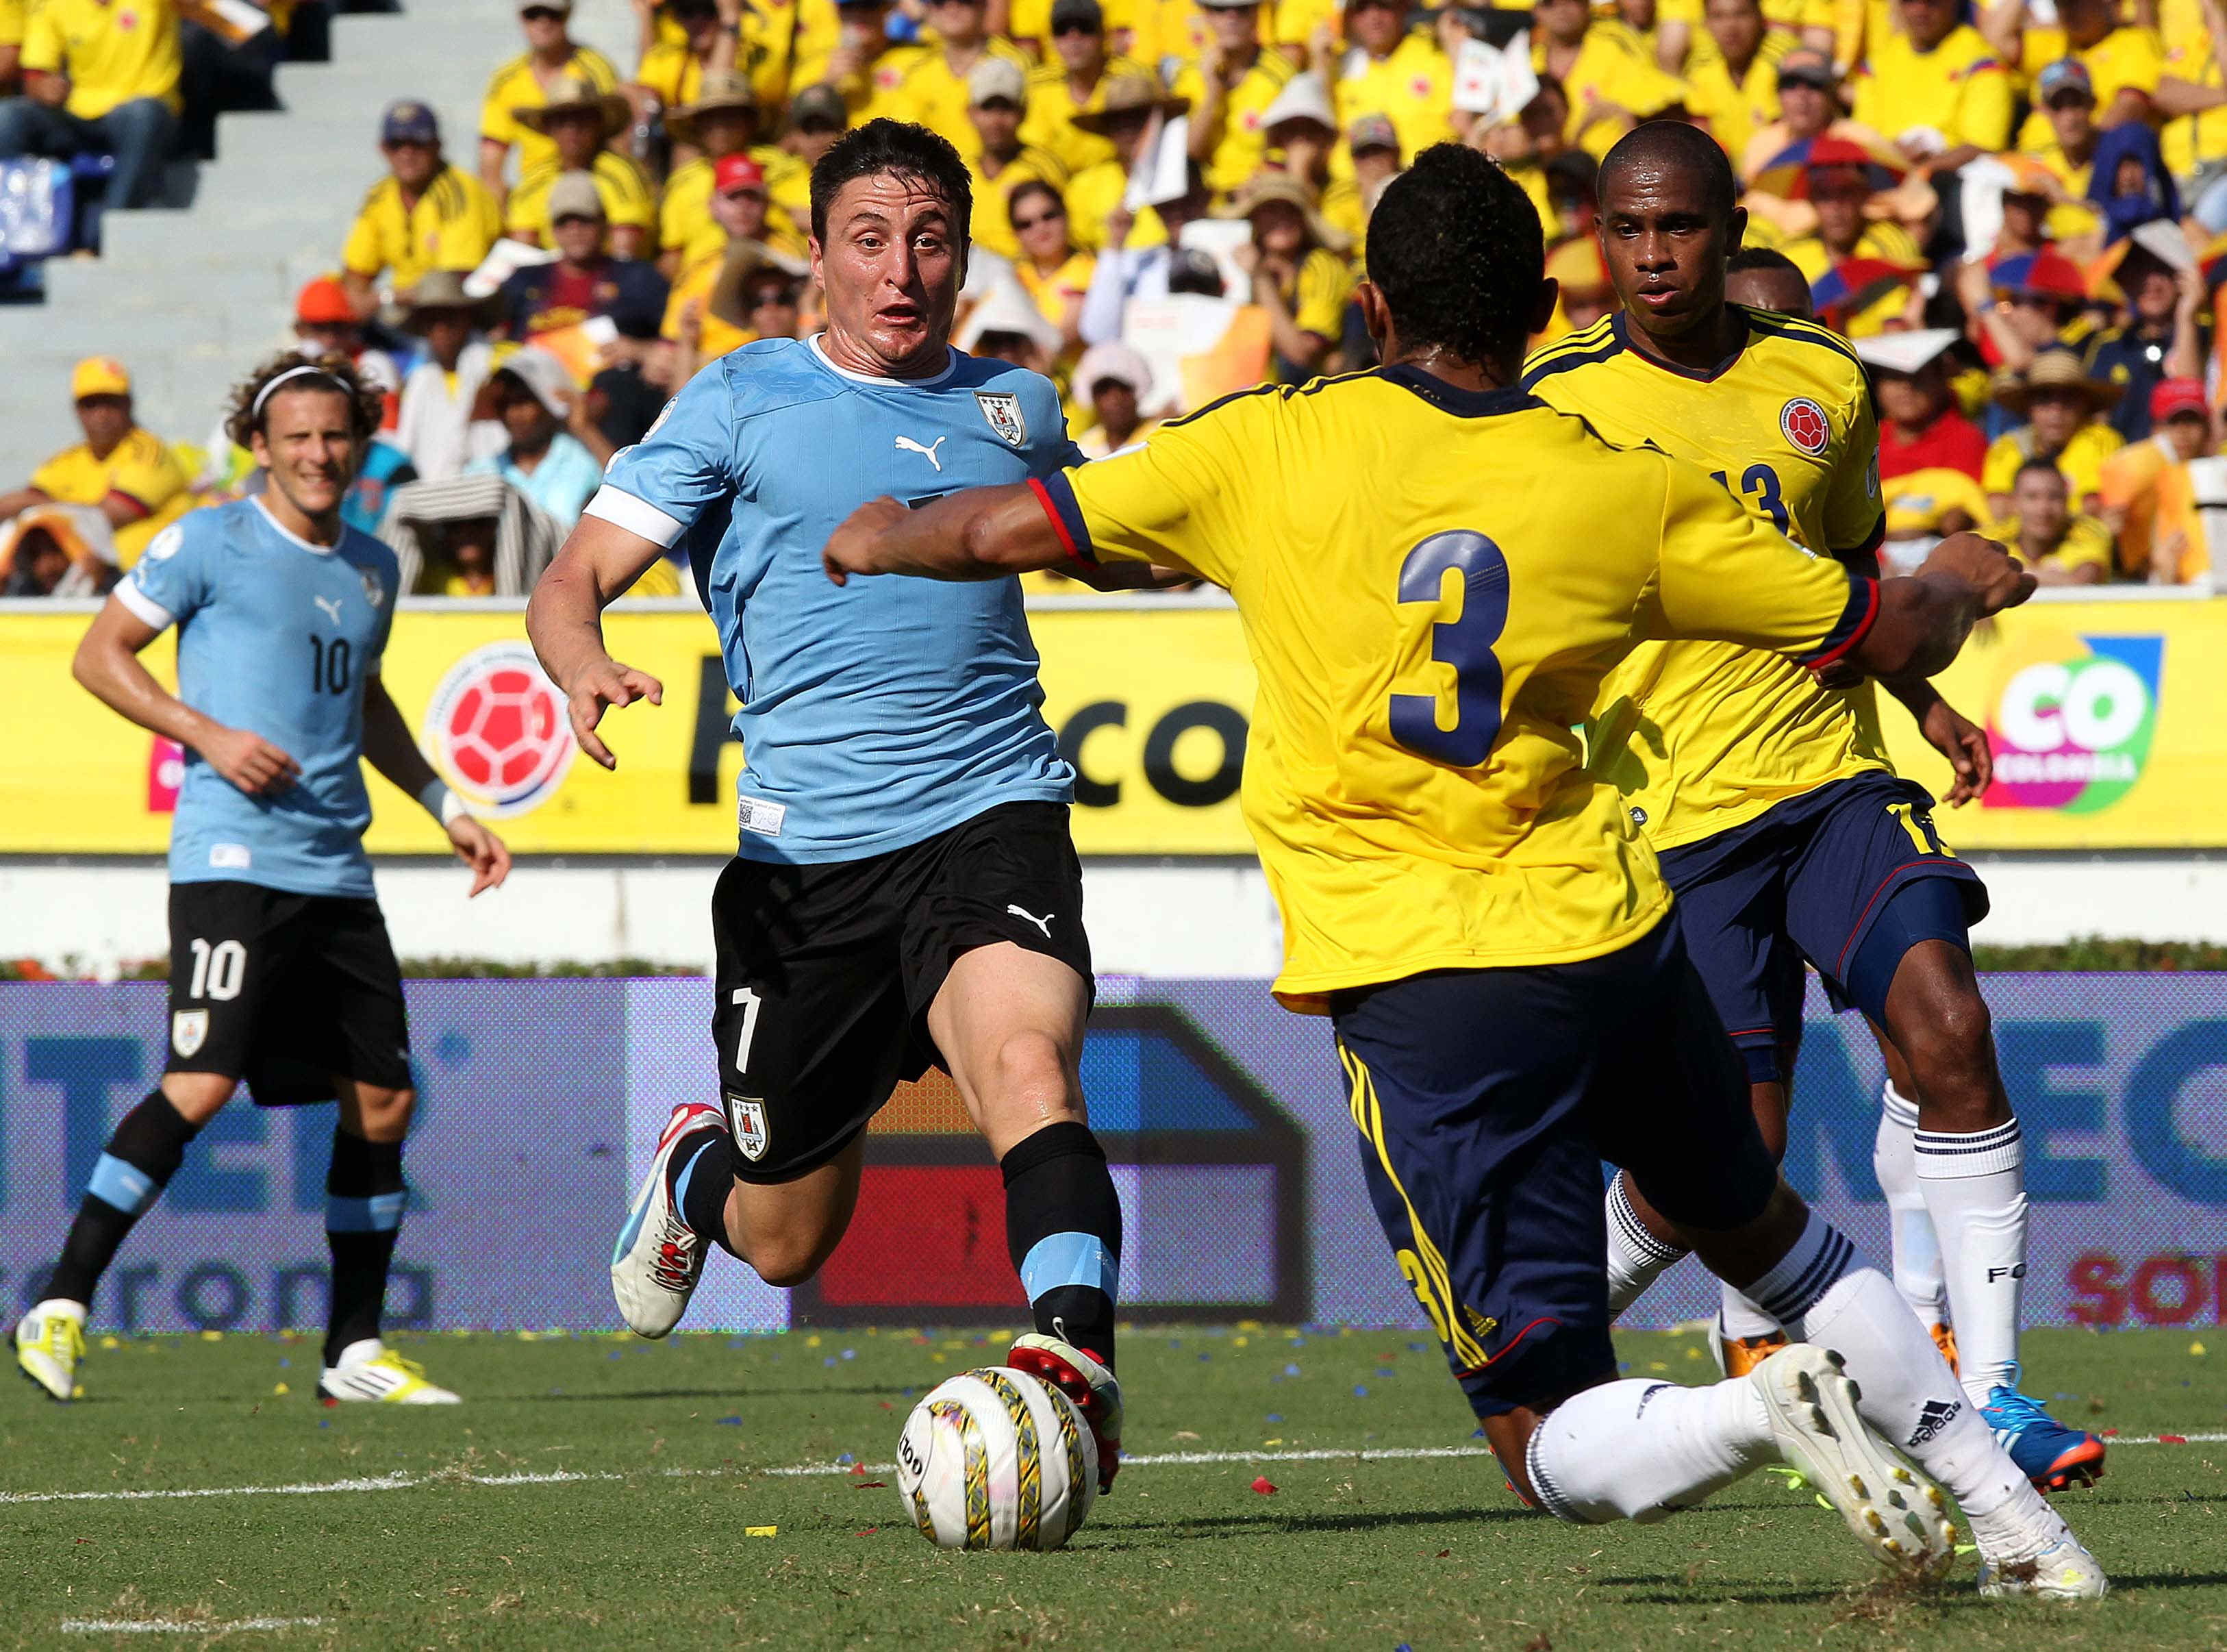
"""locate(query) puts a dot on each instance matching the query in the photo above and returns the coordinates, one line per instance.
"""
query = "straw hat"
(2056, 370)
(1265, 187)
(1130, 94)
(444, 289)
(722, 89)
(569, 92)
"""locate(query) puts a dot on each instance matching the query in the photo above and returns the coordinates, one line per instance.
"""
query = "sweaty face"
(891, 266)
(308, 445)
(1666, 247)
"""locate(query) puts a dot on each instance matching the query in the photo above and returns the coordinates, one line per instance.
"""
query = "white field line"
(800, 1470)
(169, 1626)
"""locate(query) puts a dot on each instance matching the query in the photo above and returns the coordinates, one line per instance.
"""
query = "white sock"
(1644, 1451)
(1908, 1393)
(1917, 1252)
(1974, 1190)
(1739, 1320)
(1636, 1258)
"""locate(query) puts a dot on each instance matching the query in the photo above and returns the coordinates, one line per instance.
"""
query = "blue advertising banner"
(1225, 1118)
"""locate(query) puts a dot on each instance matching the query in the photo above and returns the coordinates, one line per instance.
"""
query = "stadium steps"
(188, 299)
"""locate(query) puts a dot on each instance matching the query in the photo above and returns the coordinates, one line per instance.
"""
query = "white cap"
(1903, 353)
(540, 372)
(1008, 308)
(1303, 97)
(1113, 359)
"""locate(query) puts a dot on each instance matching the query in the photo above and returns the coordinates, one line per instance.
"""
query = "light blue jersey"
(881, 713)
(274, 635)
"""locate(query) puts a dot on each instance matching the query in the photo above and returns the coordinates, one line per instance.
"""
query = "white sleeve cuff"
(143, 607)
(635, 516)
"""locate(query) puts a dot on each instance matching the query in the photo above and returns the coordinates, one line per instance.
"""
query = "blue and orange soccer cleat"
(2048, 1453)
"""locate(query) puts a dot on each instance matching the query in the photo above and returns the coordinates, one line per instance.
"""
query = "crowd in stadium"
(2010, 212)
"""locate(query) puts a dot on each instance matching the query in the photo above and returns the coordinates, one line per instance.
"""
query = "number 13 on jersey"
(1465, 644)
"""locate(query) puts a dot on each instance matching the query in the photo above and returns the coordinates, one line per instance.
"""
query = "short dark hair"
(1674, 144)
(899, 146)
(249, 413)
(2043, 468)
(1455, 247)
(1034, 186)
(1768, 259)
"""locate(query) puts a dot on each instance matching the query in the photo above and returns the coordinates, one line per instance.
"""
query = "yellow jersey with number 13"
(1401, 553)
(1702, 736)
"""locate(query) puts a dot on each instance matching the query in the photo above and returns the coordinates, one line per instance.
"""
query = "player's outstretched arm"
(389, 749)
(1954, 736)
(981, 533)
(1923, 620)
(565, 623)
(107, 663)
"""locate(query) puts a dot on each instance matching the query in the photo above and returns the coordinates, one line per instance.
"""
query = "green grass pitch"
(598, 1490)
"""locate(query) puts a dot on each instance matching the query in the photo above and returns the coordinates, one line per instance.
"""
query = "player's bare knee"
(376, 1114)
(1952, 1062)
(1030, 1080)
(199, 1097)
(787, 1260)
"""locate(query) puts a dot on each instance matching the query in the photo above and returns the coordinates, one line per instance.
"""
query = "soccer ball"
(995, 1459)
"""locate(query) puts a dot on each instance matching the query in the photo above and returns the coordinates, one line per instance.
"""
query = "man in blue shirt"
(904, 891)
(280, 968)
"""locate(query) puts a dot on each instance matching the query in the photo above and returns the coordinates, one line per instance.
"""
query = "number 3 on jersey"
(1467, 644)
(1759, 482)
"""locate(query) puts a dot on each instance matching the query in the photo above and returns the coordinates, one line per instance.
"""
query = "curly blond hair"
(366, 407)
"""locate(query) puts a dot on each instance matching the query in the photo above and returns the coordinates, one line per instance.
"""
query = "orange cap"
(323, 303)
(99, 375)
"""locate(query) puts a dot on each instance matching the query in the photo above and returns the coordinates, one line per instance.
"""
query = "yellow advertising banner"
(2109, 720)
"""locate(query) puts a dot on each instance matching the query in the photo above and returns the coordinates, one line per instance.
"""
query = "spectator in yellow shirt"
(1386, 70)
(932, 89)
(2043, 533)
(2147, 497)
(999, 163)
(862, 65)
(581, 120)
(1074, 83)
(738, 206)
(424, 215)
(1840, 183)
(2125, 64)
(130, 472)
(14, 17)
(673, 72)
(1054, 274)
(1936, 90)
(719, 123)
(525, 82)
(1734, 79)
(2060, 404)
(1609, 81)
(1230, 88)
(1300, 274)
(100, 79)
(1126, 119)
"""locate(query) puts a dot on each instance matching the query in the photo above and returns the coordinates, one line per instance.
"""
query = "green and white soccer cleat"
(1894, 1511)
(49, 1341)
(371, 1371)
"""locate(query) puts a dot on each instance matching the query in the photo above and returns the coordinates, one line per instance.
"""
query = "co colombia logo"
(2073, 721)
(497, 729)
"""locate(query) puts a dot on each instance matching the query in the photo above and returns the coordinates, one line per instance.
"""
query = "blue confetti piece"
(909, 1393)
(829, 1361)
(1203, 1358)
(1386, 1371)
(850, 1353)
(1417, 1348)
(1403, 1647)
(1275, 1416)
(845, 1457)
(324, 1423)
(1359, 1393)
(1477, 1433)
(288, 1365)
(1291, 1370)
(731, 1422)
(615, 1353)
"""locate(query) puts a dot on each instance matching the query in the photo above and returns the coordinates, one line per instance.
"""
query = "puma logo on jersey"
(331, 605)
(1043, 924)
(906, 444)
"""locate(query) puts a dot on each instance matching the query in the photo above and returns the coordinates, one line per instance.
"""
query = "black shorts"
(827, 970)
(1486, 1099)
(284, 991)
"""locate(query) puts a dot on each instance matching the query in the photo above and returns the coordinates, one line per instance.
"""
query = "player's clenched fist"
(606, 683)
(250, 761)
(1997, 576)
(850, 548)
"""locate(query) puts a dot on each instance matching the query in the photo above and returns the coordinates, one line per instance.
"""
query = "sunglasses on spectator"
(573, 218)
(1049, 215)
(542, 14)
(1073, 26)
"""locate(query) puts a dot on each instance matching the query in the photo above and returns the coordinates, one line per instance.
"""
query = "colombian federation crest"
(1802, 423)
(746, 1118)
(188, 1031)
(1003, 410)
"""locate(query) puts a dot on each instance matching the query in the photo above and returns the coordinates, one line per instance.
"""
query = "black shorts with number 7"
(827, 970)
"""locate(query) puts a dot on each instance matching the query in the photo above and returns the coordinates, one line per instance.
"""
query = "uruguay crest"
(188, 1030)
(1002, 408)
(747, 1120)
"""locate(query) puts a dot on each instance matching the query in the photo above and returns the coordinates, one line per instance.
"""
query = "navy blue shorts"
(1807, 880)
(1487, 1100)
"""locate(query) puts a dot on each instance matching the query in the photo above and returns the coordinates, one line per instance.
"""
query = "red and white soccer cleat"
(658, 1259)
(1084, 1380)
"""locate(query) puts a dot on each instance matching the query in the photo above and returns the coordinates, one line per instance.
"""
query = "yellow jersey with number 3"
(1403, 555)
(1701, 736)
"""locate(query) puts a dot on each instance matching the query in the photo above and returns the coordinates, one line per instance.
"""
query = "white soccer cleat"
(1896, 1512)
(2060, 1568)
(49, 1341)
(369, 1370)
(659, 1257)
(1084, 1380)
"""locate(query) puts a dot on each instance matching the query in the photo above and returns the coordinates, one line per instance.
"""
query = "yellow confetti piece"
(1271, 1442)
(211, 1337)
(760, 1531)
(1241, 1342)
(529, 1337)
(936, 1359)
(2195, 1348)
(1248, 1325)
(1693, 1352)
(282, 1388)
(1657, 1365)
(110, 1341)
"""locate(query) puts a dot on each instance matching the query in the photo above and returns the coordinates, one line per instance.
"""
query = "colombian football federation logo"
(497, 732)
(2073, 720)
(1802, 423)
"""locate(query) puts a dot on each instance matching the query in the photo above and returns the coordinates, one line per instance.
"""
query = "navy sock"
(364, 1195)
(1064, 1232)
(143, 1156)
(703, 1173)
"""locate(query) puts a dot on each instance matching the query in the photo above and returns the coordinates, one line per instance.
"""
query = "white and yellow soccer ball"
(995, 1459)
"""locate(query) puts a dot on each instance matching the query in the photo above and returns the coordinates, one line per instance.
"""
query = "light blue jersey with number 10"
(276, 636)
(879, 713)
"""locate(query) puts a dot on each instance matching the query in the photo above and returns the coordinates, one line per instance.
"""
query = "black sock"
(1064, 1232)
(703, 1172)
(364, 1195)
(143, 1156)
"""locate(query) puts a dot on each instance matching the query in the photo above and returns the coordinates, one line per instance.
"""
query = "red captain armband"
(1056, 494)
(1857, 617)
